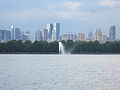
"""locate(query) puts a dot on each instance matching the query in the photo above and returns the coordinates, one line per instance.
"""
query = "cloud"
(110, 3)
(71, 15)
(67, 5)
(62, 10)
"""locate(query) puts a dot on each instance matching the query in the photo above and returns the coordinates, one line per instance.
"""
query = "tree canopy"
(77, 47)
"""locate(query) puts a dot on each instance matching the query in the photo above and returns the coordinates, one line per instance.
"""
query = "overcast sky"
(74, 15)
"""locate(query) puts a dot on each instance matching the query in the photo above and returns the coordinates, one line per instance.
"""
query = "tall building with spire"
(98, 36)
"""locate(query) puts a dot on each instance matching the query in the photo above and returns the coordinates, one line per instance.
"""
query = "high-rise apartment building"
(112, 33)
(38, 36)
(81, 37)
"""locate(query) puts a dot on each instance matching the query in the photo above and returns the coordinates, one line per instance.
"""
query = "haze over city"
(74, 15)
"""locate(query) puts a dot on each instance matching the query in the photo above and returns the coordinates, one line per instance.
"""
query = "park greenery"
(77, 47)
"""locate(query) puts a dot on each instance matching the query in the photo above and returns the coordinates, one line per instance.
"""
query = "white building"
(98, 36)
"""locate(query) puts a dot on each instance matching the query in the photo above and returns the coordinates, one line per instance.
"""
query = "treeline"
(77, 47)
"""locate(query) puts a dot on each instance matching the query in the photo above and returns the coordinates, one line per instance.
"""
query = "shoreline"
(54, 53)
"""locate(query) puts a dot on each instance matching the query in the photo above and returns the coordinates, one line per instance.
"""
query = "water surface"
(59, 72)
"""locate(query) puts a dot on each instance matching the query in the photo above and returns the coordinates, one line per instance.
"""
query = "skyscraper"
(98, 36)
(54, 35)
(8, 35)
(45, 35)
(56, 31)
(3, 35)
(50, 29)
(112, 32)
(17, 34)
(13, 32)
(38, 36)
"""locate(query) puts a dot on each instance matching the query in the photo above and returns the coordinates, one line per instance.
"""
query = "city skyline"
(52, 33)
(74, 15)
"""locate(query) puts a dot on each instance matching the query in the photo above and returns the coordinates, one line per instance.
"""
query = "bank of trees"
(77, 47)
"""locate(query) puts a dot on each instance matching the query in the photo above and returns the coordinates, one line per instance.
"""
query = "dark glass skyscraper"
(17, 34)
(5, 35)
(57, 26)
(112, 33)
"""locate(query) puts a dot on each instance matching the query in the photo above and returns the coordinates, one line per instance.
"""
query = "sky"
(74, 15)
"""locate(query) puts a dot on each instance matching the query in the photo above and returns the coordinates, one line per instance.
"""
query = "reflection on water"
(57, 72)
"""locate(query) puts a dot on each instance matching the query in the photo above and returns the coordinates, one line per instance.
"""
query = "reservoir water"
(59, 72)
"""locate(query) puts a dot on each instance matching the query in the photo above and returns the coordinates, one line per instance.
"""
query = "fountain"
(61, 48)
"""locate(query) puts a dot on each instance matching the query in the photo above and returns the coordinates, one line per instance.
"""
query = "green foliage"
(53, 47)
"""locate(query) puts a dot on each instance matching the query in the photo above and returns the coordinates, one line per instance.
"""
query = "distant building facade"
(5, 35)
(90, 36)
(81, 37)
(38, 35)
(17, 34)
(13, 32)
(45, 35)
(26, 36)
(68, 36)
(75, 37)
(98, 36)
(112, 33)
(56, 32)
(105, 38)
(50, 30)
(60, 37)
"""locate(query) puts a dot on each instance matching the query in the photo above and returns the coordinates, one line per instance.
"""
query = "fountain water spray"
(61, 48)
